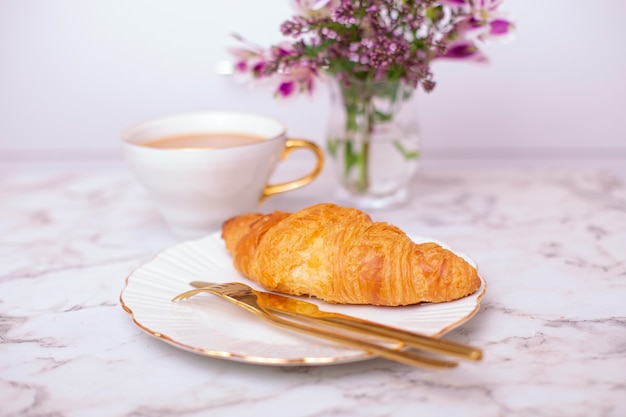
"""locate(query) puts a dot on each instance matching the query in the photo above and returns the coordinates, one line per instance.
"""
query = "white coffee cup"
(197, 189)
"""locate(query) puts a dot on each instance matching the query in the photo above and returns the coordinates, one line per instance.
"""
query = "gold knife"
(302, 309)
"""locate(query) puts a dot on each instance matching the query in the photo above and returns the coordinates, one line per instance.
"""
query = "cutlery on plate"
(302, 309)
(244, 296)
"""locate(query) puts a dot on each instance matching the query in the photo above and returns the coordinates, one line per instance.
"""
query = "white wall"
(73, 73)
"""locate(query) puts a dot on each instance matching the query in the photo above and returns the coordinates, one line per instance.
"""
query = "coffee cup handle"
(290, 146)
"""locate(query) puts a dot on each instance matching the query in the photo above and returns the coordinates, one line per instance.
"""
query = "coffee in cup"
(206, 167)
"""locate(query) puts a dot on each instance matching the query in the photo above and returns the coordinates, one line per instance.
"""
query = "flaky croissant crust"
(340, 255)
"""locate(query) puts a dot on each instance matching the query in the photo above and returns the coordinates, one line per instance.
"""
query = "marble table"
(551, 244)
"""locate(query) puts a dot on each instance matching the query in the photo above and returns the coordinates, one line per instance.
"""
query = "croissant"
(340, 255)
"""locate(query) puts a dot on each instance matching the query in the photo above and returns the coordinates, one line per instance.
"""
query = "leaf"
(407, 154)
(332, 145)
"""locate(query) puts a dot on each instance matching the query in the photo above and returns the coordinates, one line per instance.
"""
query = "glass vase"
(373, 141)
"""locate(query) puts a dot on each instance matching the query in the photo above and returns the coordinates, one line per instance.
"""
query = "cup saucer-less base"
(210, 326)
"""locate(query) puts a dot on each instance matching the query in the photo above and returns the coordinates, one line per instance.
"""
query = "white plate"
(210, 326)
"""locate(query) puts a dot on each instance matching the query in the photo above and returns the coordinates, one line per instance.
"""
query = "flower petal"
(285, 88)
(464, 49)
(500, 27)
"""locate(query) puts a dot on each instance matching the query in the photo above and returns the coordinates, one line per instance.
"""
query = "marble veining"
(549, 242)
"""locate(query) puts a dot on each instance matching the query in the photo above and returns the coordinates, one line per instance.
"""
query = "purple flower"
(286, 88)
(486, 17)
(373, 40)
(297, 79)
(246, 59)
(500, 27)
(312, 7)
(454, 3)
(464, 49)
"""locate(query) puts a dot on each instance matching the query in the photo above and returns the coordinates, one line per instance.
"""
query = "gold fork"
(243, 296)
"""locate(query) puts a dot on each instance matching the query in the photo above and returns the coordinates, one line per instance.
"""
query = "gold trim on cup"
(290, 146)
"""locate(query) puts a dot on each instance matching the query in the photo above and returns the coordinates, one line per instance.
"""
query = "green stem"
(357, 138)
(360, 100)
(363, 182)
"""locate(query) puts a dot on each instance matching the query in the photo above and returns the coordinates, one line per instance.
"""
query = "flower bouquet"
(375, 53)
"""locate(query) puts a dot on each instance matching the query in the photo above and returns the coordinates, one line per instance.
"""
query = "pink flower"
(372, 40)
(464, 49)
(281, 50)
(285, 88)
(500, 27)
(312, 8)
(250, 59)
(454, 3)
(486, 17)
(297, 79)
(480, 16)
(242, 58)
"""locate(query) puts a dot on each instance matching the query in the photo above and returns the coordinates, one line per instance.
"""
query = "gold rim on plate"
(210, 327)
